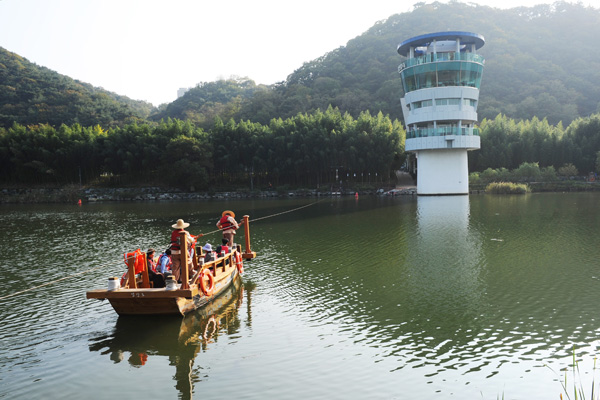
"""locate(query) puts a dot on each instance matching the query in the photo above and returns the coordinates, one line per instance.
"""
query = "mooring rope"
(118, 262)
(54, 281)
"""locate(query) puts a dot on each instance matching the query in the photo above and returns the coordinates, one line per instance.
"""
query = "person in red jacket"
(228, 225)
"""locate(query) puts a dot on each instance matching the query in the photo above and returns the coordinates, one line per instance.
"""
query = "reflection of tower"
(441, 79)
(446, 257)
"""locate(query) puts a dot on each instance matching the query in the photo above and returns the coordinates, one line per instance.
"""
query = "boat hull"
(150, 301)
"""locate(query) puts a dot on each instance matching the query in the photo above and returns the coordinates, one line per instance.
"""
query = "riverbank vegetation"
(507, 188)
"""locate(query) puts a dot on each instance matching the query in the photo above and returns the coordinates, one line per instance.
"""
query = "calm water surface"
(379, 298)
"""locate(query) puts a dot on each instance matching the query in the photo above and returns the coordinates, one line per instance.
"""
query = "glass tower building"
(440, 79)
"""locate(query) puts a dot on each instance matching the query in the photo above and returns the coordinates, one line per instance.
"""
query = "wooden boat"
(208, 281)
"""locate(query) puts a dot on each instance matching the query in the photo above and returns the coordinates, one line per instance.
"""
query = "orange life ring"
(239, 264)
(207, 290)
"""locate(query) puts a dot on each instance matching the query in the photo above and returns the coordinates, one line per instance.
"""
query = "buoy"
(356, 195)
(79, 202)
(113, 283)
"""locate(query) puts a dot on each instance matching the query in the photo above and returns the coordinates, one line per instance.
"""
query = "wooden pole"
(145, 278)
(184, 272)
(131, 271)
(247, 253)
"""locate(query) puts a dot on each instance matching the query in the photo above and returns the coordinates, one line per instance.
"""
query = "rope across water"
(118, 262)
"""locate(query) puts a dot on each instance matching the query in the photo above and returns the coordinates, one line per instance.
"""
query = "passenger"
(176, 248)
(228, 224)
(223, 249)
(157, 279)
(210, 255)
(164, 262)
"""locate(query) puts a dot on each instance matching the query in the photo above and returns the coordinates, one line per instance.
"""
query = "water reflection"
(444, 262)
(178, 339)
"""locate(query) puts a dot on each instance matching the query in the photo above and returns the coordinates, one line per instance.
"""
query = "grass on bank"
(507, 188)
(576, 386)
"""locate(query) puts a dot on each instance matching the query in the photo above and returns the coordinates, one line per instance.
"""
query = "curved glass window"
(447, 102)
(447, 73)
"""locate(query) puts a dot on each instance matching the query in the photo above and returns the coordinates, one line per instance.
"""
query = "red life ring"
(207, 290)
(239, 264)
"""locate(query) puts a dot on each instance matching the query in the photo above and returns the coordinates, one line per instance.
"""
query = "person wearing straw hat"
(179, 227)
(228, 225)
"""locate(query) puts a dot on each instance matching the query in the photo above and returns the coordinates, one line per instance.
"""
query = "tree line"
(307, 150)
(320, 149)
(508, 143)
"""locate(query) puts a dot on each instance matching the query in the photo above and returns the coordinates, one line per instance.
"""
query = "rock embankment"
(72, 194)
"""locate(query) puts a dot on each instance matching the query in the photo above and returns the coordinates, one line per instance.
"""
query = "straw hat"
(228, 212)
(180, 224)
(207, 247)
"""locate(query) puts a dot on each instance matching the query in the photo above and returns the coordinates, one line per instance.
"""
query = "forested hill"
(30, 94)
(540, 61)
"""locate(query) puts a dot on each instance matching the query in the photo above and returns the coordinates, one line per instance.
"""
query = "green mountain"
(540, 61)
(30, 94)
(208, 100)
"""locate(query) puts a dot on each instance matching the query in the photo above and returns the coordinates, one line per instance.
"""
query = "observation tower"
(441, 78)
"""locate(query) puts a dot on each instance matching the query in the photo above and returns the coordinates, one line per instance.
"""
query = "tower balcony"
(439, 57)
(441, 131)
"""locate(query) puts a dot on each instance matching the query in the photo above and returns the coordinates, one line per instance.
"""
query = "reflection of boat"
(208, 281)
(178, 339)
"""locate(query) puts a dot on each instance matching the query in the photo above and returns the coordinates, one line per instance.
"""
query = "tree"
(568, 170)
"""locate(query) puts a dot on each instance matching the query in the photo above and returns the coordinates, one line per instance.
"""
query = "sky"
(148, 49)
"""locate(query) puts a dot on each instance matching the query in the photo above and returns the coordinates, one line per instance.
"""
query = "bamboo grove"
(304, 151)
(320, 149)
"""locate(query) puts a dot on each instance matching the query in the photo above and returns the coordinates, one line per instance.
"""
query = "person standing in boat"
(228, 225)
(176, 248)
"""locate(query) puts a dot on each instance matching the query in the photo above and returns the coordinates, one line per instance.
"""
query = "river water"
(378, 297)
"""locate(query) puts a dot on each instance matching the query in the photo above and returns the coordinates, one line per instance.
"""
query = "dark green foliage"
(30, 94)
(506, 143)
(304, 150)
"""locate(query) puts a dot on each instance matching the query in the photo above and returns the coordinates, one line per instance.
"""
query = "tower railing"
(441, 131)
(431, 58)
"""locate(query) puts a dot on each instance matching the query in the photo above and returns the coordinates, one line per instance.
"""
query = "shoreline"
(71, 194)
